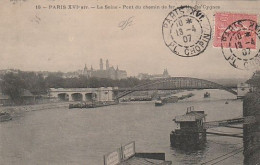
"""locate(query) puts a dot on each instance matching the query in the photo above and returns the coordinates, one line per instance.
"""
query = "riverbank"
(16, 110)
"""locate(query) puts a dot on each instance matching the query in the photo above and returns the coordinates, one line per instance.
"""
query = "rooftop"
(190, 116)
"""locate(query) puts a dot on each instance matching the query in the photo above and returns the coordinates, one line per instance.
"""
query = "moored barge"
(189, 131)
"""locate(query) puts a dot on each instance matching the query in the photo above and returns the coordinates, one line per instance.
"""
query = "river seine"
(83, 136)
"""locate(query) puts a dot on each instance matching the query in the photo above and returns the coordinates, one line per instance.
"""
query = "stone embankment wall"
(251, 107)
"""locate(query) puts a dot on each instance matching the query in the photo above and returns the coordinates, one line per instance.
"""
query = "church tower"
(101, 64)
(85, 69)
(107, 65)
(165, 73)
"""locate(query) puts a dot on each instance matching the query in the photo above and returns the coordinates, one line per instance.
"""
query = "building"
(75, 74)
(5, 100)
(254, 81)
(146, 76)
(242, 90)
(108, 72)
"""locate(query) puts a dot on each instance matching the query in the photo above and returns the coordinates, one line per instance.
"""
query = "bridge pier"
(70, 97)
(84, 96)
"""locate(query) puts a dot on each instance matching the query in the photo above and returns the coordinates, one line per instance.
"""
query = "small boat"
(4, 116)
(226, 102)
(206, 95)
(159, 103)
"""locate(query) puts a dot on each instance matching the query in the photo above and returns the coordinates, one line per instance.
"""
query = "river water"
(83, 136)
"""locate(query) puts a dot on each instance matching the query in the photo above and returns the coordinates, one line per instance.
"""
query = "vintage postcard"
(129, 82)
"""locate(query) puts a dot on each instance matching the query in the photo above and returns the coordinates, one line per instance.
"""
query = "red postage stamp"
(224, 20)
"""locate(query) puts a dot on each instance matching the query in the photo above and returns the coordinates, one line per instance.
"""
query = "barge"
(92, 104)
(165, 100)
(185, 96)
(4, 116)
(190, 131)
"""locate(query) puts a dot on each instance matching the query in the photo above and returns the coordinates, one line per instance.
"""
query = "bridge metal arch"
(175, 83)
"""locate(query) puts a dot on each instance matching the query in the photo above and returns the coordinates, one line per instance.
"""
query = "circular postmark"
(186, 31)
(240, 44)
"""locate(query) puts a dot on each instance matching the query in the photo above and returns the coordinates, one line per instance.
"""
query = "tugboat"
(4, 116)
(189, 131)
(206, 95)
(158, 103)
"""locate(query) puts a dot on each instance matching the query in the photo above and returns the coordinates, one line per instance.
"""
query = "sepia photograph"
(129, 82)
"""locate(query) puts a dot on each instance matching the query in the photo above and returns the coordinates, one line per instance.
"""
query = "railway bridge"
(174, 83)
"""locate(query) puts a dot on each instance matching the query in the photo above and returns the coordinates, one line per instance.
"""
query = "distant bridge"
(175, 83)
(83, 94)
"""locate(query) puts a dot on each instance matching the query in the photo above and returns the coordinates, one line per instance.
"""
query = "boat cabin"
(191, 120)
(189, 128)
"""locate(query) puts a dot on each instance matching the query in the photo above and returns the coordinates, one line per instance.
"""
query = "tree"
(12, 85)
(55, 80)
(34, 82)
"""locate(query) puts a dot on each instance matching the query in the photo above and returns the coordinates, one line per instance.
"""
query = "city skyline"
(96, 66)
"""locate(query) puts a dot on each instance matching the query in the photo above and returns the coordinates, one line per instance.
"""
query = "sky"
(65, 40)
